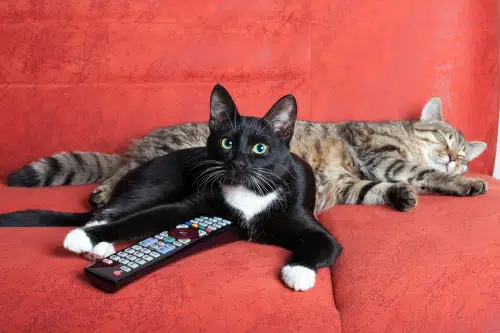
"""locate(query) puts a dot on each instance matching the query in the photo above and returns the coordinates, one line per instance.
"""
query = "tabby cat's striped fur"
(354, 162)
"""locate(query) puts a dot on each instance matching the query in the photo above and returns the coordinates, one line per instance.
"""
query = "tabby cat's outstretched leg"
(102, 193)
(430, 180)
(351, 190)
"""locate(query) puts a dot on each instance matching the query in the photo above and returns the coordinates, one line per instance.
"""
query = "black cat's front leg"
(312, 247)
(97, 240)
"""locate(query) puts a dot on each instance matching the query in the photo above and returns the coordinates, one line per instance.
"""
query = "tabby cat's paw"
(402, 196)
(472, 186)
(100, 196)
(100, 251)
(77, 241)
(298, 278)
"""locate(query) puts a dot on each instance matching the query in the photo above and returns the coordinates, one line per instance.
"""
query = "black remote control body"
(116, 271)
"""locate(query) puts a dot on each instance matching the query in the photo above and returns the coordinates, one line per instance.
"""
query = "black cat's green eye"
(226, 143)
(260, 148)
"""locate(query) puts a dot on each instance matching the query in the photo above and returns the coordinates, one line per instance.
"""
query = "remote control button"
(139, 254)
(217, 225)
(130, 251)
(202, 233)
(228, 222)
(160, 243)
(165, 249)
(208, 230)
(148, 242)
(133, 264)
(164, 234)
(184, 240)
(169, 239)
(188, 223)
(136, 247)
(124, 261)
(160, 237)
(147, 258)
(113, 257)
(154, 246)
(131, 257)
(107, 261)
(122, 254)
(194, 225)
(203, 224)
(212, 220)
(125, 268)
(140, 261)
(117, 273)
(154, 254)
(218, 218)
(202, 227)
(176, 243)
(145, 250)
(182, 226)
(213, 227)
(184, 233)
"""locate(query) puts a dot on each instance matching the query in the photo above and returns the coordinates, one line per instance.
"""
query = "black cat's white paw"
(298, 278)
(77, 241)
(100, 251)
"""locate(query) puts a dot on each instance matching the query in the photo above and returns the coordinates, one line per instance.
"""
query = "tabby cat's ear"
(432, 110)
(474, 149)
(222, 108)
(282, 117)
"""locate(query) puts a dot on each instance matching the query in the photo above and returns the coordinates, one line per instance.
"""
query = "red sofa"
(90, 75)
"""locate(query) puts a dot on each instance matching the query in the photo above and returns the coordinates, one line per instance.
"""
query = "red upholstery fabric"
(89, 75)
(434, 269)
(233, 288)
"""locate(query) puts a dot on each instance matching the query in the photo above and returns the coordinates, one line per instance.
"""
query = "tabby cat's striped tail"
(66, 168)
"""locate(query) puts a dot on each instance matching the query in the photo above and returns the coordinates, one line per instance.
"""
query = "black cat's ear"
(282, 117)
(222, 108)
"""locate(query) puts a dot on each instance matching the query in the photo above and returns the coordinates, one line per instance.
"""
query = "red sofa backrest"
(90, 75)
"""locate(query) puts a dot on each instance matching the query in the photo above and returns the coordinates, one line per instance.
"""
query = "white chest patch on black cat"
(246, 202)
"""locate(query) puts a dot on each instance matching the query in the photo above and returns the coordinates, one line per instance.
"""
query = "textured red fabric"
(434, 269)
(89, 75)
(233, 288)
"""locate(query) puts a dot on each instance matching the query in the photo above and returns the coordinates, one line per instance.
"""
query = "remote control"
(115, 271)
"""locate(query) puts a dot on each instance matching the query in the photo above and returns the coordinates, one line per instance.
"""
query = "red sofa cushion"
(233, 288)
(433, 269)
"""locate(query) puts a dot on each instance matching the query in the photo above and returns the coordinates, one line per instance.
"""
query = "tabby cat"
(354, 162)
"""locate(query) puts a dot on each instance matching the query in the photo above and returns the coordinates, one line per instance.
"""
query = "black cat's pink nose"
(238, 165)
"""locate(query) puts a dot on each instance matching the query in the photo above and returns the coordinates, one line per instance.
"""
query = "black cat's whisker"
(197, 156)
(259, 185)
(211, 179)
(269, 182)
(195, 165)
(206, 173)
(291, 174)
(261, 170)
(255, 185)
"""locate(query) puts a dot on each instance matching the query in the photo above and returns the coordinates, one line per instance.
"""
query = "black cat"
(245, 174)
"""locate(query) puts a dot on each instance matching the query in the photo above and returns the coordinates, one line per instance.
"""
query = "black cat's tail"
(43, 218)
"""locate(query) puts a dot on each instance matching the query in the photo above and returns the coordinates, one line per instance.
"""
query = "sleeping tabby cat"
(354, 162)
